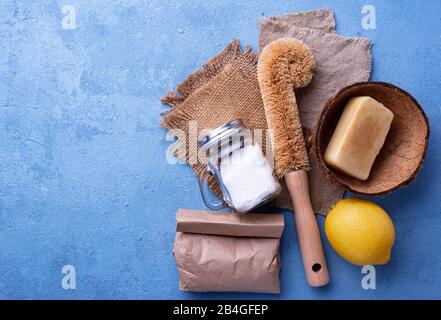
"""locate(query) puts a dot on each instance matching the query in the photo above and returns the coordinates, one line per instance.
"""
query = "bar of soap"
(358, 137)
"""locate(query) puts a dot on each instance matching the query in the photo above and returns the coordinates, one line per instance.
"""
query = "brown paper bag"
(216, 251)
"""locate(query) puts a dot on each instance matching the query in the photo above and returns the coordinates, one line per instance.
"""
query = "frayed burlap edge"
(199, 81)
(207, 72)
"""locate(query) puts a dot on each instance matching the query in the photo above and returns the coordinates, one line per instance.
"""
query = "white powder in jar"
(248, 178)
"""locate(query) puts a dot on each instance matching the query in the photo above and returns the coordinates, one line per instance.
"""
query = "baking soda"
(248, 177)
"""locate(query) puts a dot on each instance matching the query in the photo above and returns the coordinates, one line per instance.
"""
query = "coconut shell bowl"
(405, 147)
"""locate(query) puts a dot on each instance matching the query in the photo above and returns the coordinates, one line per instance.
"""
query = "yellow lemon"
(360, 231)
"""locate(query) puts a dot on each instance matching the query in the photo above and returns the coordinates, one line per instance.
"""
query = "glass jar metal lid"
(229, 129)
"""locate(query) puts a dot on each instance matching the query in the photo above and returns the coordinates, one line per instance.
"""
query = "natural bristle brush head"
(284, 65)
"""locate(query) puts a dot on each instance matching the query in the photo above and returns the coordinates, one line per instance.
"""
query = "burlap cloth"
(226, 88)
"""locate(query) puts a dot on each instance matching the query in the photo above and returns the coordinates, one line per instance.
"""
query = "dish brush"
(284, 65)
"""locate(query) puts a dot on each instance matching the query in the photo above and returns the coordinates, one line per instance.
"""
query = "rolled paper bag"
(215, 251)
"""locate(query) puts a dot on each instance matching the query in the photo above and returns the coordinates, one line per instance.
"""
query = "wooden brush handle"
(308, 232)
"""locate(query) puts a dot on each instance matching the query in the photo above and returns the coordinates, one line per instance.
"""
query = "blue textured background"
(83, 176)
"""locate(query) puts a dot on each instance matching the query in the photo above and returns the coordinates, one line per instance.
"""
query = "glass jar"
(244, 175)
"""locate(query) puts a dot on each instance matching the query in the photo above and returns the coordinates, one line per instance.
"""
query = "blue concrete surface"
(83, 176)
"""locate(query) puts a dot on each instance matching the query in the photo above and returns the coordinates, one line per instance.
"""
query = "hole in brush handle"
(316, 267)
